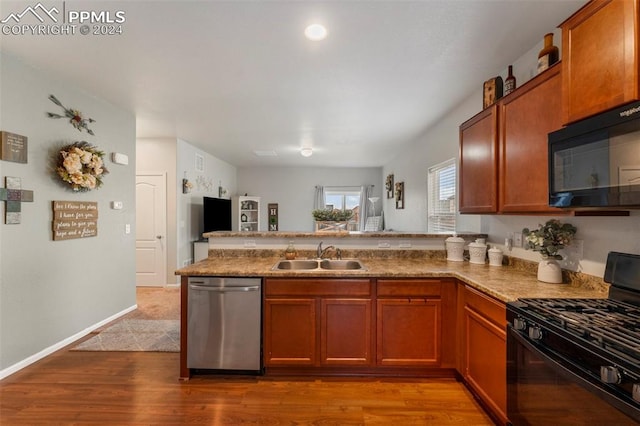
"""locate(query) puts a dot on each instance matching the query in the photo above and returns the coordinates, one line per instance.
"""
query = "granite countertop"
(343, 234)
(505, 283)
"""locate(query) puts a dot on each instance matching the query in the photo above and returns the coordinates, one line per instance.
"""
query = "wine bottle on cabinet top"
(510, 82)
(549, 54)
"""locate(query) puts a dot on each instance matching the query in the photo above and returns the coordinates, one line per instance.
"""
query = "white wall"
(53, 290)
(599, 235)
(189, 206)
(293, 189)
(158, 155)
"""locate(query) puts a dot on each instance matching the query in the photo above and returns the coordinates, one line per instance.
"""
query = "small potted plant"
(548, 239)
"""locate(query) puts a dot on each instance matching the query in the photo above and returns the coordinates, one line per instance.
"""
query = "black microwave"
(595, 162)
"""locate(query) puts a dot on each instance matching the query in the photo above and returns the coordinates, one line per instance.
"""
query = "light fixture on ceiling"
(315, 32)
(306, 152)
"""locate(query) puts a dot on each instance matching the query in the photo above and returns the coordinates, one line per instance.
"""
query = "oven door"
(545, 390)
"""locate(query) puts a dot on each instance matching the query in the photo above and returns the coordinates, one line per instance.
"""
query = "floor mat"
(135, 335)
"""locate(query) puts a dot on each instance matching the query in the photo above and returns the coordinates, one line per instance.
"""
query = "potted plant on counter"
(332, 219)
(548, 239)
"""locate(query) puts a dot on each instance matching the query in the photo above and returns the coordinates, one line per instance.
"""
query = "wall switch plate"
(127, 228)
(116, 205)
(119, 158)
(517, 239)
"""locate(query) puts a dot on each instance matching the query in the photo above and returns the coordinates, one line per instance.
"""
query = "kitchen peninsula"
(409, 312)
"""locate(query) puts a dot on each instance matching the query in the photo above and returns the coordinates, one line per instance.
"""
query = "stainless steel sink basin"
(341, 264)
(315, 265)
(296, 265)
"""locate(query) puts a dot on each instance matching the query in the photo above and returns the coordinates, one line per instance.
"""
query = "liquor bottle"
(548, 55)
(510, 82)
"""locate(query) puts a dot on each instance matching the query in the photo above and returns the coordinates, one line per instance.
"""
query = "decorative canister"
(495, 256)
(477, 252)
(455, 248)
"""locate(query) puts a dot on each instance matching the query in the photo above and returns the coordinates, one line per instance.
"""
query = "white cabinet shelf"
(246, 213)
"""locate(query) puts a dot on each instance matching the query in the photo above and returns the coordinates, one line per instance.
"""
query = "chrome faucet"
(320, 252)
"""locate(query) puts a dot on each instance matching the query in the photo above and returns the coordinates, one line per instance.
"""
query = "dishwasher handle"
(224, 289)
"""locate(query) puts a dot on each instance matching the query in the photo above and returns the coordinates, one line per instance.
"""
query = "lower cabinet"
(483, 355)
(379, 325)
(408, 323)
(317, 322)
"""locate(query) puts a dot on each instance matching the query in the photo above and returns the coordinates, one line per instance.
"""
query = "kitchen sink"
(315, 265)
(296, 265)
(341, 265)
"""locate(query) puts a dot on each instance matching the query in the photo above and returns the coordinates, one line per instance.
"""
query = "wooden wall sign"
(74, 219)
(273, 216)
(14, 147)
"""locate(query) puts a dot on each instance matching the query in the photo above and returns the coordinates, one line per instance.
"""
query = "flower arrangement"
(335, 215)
(80, 165)
(549, 238)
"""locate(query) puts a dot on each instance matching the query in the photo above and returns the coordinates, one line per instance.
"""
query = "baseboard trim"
(57, 346)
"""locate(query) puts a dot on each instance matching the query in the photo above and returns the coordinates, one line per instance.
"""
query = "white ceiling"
(232, 77)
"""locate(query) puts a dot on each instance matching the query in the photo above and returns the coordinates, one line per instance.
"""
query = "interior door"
(151, 229)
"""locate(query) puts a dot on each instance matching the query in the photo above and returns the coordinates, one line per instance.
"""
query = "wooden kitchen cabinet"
(317, 322)
(526, 118)
(290, 331)
(483, 349)
(600, 58)
(409, 322)
(479, 162)
(345, 336)
(503, 150)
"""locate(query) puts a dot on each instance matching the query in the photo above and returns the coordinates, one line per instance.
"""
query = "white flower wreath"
(80, 165)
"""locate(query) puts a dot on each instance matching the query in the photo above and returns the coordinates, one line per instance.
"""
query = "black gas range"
(577, 361)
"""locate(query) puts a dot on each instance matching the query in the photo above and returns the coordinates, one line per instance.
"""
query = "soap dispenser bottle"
(290, 253)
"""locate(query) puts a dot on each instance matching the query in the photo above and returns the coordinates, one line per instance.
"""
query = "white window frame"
(442, 208)
(344, 191)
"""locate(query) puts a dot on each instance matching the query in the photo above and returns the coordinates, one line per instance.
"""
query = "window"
(344, 198)
(442, 201)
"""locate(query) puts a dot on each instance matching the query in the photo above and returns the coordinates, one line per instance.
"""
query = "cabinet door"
(408, 332)
(600, 58)
(289, 332)
(479, 163)
(345, 332)
(526, 117)
(485, 351)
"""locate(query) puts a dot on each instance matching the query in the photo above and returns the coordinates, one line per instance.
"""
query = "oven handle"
(620, 404)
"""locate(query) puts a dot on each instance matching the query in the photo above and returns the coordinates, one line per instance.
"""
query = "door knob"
(159, 237)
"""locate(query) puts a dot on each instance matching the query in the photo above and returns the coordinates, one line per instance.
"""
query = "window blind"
(442, 200)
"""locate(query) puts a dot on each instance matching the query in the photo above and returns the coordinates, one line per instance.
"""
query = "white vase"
(549, 271)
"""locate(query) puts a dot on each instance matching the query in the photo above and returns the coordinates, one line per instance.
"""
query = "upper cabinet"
(599, 58)
(525, 118)
(479, 162)
(503, 150)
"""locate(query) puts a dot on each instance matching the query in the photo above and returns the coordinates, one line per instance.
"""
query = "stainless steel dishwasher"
(224, 323)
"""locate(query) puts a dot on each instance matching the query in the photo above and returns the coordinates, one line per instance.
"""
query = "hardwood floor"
(142, 388)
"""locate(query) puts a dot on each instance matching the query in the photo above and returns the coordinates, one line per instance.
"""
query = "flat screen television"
(216, 213)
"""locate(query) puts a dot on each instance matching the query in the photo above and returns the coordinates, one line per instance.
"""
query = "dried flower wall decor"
(75, 117)
(388, 184)
(80, 165)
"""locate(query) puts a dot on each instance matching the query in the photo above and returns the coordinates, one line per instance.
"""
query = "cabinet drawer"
(404, 288)
(317, 287)
(493, 311)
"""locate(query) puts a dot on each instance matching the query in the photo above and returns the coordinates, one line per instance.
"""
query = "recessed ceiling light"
(306, 152)
(265, 153)
(315, 32)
